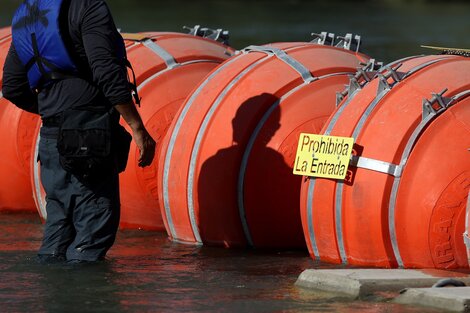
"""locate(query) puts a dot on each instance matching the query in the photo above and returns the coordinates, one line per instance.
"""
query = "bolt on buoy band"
(283, 56)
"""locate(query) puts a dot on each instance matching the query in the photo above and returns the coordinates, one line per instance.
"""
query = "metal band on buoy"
(162, 53)
(283, 56)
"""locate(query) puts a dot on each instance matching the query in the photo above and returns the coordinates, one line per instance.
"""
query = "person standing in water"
(67, 63)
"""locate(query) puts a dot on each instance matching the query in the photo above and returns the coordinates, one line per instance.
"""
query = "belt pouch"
(84, 142)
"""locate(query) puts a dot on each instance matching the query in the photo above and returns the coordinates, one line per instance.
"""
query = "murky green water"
(147, 273)
(390, 29)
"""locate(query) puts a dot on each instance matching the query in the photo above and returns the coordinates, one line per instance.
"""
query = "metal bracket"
(265, 49)
(204, 32)
(324, 38)
(435, 104)
(364, 75)
(349, 42)
(376, 165)
(340, 95)
(389, 72)
(283, 56)
(162, 53)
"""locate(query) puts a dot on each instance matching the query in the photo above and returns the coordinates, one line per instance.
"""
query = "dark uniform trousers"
(82, 219)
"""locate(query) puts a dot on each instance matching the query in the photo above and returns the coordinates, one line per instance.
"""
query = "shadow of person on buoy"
(218, 184)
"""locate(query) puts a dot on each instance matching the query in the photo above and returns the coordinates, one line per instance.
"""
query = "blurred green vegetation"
(390, 29)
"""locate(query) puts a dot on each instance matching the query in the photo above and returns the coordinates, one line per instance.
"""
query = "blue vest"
(38, 43)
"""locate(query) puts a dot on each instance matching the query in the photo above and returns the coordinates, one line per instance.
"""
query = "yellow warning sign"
(323, 156)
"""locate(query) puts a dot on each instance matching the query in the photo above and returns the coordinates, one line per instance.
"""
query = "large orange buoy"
(226, 176)
(16, 129)
(349, 221)
(167, 67)
(428, 200)
(466, 235)
(5, 32)
(5, 40)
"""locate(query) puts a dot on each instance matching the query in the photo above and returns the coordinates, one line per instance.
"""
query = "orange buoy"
(5, 32)
(348, 222)
(5, 40)
(466, 235)
(227, 154)
(16, 129)
(167, 67)
(431, 194)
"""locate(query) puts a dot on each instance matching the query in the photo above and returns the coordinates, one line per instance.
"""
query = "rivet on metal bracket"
(436, 104)
(324, 38)
(214, 34)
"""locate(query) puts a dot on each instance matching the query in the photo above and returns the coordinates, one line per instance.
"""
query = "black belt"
(53, 121)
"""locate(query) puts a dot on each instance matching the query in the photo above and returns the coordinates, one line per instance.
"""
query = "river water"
(390, 29)
(145, 272)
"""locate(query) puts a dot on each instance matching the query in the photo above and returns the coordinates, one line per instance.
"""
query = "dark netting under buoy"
(464, 53)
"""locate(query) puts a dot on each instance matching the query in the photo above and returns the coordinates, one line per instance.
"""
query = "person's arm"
(99, 37)
(15, 87)
(142, 138)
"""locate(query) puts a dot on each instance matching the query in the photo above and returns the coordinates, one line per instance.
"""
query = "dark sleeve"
(15, 84)
(99, 37)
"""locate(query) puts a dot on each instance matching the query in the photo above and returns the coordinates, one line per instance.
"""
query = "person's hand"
(142, 138)
(146, 146)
